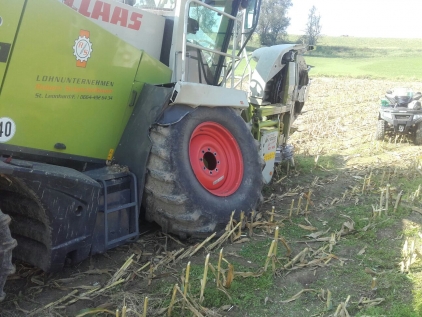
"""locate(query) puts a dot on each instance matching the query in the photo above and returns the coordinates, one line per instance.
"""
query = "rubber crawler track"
(7, 243)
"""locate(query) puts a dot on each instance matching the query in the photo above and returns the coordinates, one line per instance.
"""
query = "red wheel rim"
(216, 159)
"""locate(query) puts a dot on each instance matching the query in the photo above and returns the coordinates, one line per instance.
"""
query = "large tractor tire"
(200, 170)
(7, 243)
(379, 135)
(418, 135)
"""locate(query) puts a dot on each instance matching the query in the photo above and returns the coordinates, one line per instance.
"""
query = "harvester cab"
(105, 107)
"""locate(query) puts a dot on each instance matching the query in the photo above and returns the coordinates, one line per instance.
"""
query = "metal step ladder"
(133, 208)
(118, 212)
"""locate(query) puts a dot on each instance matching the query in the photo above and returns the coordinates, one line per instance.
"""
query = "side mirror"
(389, 92)
(250, 17)
(417, 96)
(193, 26)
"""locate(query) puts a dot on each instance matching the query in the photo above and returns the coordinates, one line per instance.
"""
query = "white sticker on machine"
(268, 150)
(7, 129)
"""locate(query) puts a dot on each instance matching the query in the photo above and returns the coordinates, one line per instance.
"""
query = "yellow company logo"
(82, 48)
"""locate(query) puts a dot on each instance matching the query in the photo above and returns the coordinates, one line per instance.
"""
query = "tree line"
(274, 21)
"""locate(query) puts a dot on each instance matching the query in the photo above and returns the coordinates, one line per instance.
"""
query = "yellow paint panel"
(269, 156)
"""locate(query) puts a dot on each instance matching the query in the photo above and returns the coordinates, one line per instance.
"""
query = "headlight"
(388, 115)
(417, 116)
(415, 105)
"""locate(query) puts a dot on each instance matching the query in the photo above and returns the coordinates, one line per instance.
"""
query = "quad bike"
(400, 113)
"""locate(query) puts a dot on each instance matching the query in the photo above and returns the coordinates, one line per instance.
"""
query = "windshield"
(211, 30)
(210, 26)
(155, 4)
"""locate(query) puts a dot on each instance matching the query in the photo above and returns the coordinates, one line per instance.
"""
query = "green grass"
(378, 58)
(381, 255)
(256, 251)
(409, 186)
(307, 164)
(399, 310)
(248, 293)
(358, 47)
(396, 59)
(367, 58)
(408, 68)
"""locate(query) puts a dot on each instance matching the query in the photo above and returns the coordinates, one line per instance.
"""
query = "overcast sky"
(367, 18)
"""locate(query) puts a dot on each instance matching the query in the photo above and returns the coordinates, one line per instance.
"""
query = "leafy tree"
(273, 21)
(313, 27)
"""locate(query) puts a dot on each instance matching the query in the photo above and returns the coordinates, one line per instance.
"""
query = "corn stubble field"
(339, 234)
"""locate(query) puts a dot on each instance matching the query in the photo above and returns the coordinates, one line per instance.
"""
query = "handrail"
(185, 32)
(212, 51)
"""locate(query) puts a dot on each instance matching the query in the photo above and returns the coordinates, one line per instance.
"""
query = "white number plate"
(7, 129)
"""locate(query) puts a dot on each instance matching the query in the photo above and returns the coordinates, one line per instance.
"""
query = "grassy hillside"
(366, 57)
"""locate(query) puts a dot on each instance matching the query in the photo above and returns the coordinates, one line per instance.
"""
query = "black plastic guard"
(174, 114)
(53, 211)
(134, 146)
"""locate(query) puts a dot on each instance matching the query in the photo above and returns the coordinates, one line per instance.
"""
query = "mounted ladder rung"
(120, 209)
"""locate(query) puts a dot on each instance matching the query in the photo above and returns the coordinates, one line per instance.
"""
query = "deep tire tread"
(381, 127)
(418, 135)
(166, 200)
